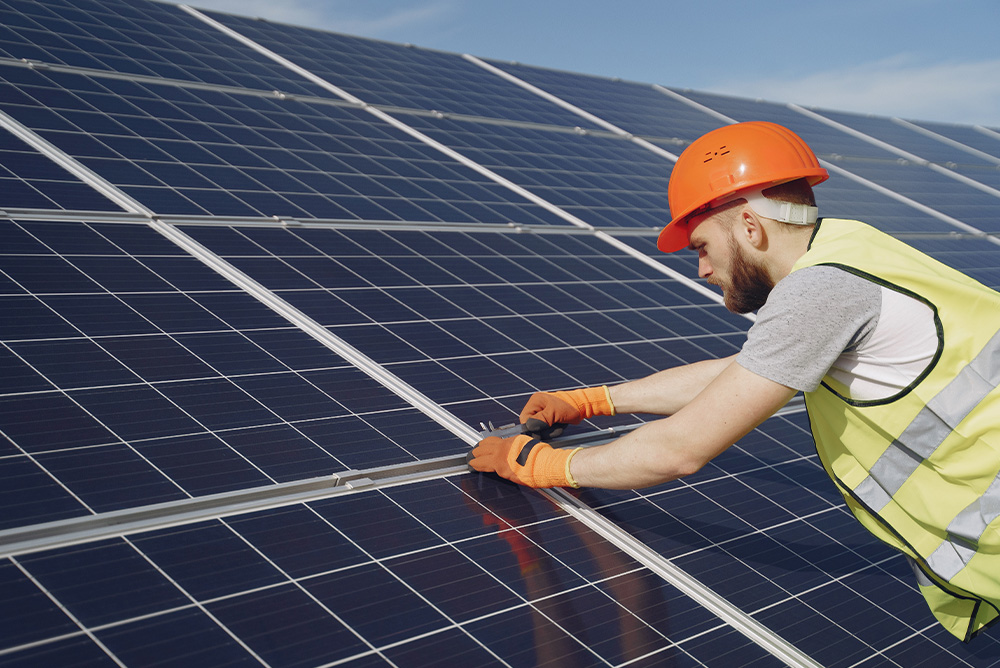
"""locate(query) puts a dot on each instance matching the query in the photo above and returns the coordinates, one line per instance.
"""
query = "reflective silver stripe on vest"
(964, 533)
(931, 427)
(922, 578)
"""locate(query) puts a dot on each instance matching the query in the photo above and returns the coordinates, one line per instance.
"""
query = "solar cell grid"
(907, 139)
(466, 316)
(139, 38)
(31, 181)
(401, 76)
(548, 589)
(264, 156)
(126, 390)
(606, 181)
(948, 196)
(636, 107)
(977, 138)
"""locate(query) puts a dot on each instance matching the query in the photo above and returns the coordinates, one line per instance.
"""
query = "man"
(897, 354)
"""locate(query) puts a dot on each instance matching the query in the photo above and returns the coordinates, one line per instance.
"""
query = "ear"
(752, 228)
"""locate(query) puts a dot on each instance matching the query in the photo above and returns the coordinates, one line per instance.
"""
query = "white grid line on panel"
(906, 155)
(946, 140)
(455, 155)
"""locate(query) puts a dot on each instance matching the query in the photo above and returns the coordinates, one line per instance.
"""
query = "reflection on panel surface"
(467, 567)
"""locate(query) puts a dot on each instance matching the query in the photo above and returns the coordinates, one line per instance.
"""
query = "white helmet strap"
(785, 212)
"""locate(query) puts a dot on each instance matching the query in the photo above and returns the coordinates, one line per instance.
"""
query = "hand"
(524, 460)
(548, 413)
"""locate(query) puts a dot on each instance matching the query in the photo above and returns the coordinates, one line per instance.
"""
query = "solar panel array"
(244, 260)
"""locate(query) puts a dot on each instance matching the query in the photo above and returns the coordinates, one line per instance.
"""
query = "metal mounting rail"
(78, 530)
(89, 528)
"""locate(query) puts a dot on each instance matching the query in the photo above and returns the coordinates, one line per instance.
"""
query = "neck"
(789, 247)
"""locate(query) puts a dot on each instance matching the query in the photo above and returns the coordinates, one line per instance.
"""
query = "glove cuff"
(590, 401)
(541, 465)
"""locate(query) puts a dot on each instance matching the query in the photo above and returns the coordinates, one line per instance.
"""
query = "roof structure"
(261, 283)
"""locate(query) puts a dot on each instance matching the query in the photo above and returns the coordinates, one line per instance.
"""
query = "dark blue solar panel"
(265, 156)
(137, 37)
(636, 107)
(122, 389)
(907, 139)
(309, 584)
(30, 180)
(567, 310)
(975, 137)
(604, 180)
(402, 76)
(950, 197)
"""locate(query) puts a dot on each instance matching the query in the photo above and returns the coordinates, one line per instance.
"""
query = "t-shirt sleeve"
(810, 318)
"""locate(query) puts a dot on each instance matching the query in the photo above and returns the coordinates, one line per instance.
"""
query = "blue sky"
(917, 59)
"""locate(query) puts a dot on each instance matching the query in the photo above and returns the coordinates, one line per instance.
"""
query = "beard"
(750, 284)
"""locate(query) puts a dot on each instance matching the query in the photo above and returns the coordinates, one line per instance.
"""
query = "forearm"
(648, 456)
(734, 403)
(666, 392)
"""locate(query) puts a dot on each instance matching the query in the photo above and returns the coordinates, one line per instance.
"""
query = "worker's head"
(744, 252)
(744, 162)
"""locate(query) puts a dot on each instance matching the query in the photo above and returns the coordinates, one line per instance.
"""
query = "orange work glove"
(523, 459)
(561, 408)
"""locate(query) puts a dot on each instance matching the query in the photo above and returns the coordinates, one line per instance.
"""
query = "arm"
(666, 392)
(731, 405)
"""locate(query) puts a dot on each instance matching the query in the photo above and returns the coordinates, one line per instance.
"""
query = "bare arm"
(732, 404)
(667, 391)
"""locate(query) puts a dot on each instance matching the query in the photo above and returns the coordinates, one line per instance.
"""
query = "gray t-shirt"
(811, 317)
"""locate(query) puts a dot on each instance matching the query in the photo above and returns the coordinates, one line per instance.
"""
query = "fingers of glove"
(507, 457)
(483, 457)
(521, 459)
(550, 408)
(542, 429)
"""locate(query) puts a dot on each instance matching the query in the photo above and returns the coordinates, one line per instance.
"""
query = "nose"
(704, 266)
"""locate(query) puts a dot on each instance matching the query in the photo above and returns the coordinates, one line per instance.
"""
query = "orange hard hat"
(730, 159)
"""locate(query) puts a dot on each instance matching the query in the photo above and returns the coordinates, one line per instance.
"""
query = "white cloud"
(956, 92)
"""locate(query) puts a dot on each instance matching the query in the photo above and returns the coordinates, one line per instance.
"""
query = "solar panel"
(143, 39)
(639, 107)
(235, 434)
(316, 583)
(977, 138)
(251, 154)
(469, 316)
(399, 76)
(32, 181)
(903, 136)
(123, 387)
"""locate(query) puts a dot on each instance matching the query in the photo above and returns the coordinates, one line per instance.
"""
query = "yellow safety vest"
(921, 469)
